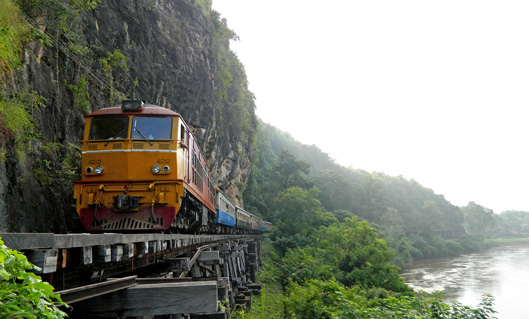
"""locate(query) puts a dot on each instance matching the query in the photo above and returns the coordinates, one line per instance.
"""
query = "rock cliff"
(174, 53)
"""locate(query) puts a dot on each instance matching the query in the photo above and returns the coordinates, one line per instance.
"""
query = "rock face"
(171, 49)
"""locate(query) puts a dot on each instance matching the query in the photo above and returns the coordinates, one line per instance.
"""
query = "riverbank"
(503, 241)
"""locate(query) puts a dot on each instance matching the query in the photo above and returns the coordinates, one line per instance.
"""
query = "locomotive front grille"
(138, 146)
(117, 146)
(131, 223)
(92, 146)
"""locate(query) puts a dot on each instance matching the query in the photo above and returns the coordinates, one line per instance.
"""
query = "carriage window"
(108, 128)
(152, 128)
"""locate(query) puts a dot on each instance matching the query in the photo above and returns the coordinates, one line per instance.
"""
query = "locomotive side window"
(182, 133)
(105, 128)
(152, 128)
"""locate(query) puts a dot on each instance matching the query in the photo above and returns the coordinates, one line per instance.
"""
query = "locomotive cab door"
(183, 155)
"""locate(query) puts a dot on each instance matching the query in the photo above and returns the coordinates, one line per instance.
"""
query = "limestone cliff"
(173, 53)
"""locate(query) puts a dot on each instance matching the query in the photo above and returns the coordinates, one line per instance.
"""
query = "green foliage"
(111, 63)
(362, 258)
(205, 4)
(330, 299)
(221, 43)
(16, 120)
(511, 224)
(269, 305)
(114, 60)
(23, 294)
(16, 116)
(235, 99)
(413, 220)
(297, 214)
(319, 299)
(83, 5)
(337, 265)
(425, 307)
(13, 33)
(479, 220)
(57, 165)
(81, 94)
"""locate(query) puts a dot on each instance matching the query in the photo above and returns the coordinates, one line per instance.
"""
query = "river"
(502, 271)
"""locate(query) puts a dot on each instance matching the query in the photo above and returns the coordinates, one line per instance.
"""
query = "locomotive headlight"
(99, 170)
(166, 169)
(131, 105)
(156, 169)
(89, 170)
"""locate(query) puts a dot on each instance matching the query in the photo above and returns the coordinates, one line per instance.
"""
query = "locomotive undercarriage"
(126, 211)
(193, 217)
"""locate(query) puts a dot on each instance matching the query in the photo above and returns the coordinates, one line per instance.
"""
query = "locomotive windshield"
(104, 128)
(152, 128)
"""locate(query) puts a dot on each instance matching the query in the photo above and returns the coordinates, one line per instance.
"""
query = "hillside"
(414, 220)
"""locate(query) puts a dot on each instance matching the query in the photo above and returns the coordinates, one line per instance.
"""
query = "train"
(143, 170)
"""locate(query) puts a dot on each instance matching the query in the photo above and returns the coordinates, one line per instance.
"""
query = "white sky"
(436, 91)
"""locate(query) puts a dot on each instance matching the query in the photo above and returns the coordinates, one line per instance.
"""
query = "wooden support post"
(85, 255)
(209, 269)
(142, 248)
(128, 251)
(117, 252)
(45, 259)
(195, 271)
(103, 253)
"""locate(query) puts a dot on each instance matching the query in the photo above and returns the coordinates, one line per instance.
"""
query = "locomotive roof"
(146, 109)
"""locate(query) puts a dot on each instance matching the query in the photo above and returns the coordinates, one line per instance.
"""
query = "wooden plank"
(83, 240)
(144, 281)
(155, 300)
(90, 291)
(209, 315)
(23, 241)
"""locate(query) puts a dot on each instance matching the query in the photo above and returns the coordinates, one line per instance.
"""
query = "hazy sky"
(435, 91)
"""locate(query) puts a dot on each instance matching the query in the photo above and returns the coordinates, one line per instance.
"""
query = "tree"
(289, 172)
(362, 257)
(431, 218)
(298, 213)
(478, 220)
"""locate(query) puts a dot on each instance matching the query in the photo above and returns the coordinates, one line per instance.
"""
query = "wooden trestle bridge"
(145, 275)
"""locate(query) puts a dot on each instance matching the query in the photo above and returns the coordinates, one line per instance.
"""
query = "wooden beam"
(155, 300)
(201, 265)
(94, 290)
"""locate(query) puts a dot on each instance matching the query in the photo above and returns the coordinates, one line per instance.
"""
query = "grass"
(268, 305)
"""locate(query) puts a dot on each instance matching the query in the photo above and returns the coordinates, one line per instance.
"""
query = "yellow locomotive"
(142, 170)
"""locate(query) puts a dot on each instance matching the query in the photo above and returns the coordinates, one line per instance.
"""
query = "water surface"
(500, 271)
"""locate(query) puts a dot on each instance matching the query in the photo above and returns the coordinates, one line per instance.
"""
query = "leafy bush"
(23, 294)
